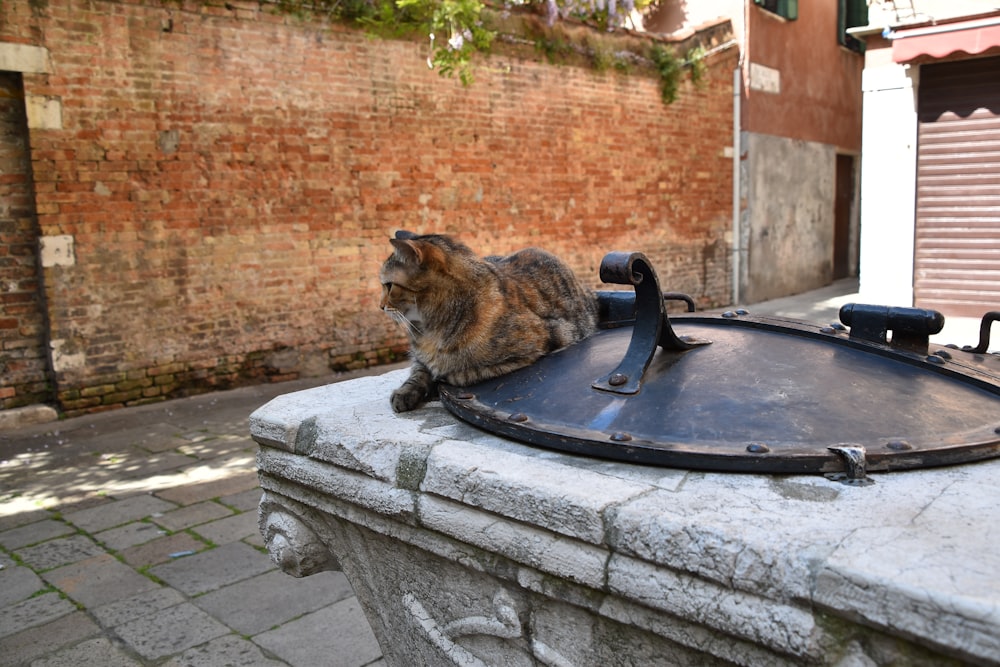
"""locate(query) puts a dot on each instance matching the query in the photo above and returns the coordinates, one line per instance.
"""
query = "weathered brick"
(79, 404)
(96, 390)
(121, 397)
(221, 213)
(166, 369)
(130, 385)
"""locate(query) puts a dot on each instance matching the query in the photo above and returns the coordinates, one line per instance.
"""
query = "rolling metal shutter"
(957, 257)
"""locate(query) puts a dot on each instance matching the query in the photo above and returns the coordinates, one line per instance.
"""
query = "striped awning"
(969, 37)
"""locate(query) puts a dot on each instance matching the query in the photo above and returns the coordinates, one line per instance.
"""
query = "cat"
(471, 319)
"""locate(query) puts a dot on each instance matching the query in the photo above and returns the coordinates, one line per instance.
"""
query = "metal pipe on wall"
(737, 250)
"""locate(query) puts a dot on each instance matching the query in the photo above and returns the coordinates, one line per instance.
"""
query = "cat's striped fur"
(472, 319)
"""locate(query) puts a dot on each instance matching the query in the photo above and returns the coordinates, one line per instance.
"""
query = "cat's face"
(420, 278)
(399, 301)
(403, 279)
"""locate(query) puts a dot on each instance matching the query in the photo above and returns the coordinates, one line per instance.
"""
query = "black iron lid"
(733, 392)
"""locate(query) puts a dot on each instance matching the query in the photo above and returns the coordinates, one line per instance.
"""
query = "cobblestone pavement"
(130, 538)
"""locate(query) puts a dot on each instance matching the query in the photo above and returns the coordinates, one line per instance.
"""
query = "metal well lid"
(737, 393)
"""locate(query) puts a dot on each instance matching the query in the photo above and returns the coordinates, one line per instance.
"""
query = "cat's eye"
(399, 289)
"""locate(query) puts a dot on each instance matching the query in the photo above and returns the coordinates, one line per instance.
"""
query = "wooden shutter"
(957, 256)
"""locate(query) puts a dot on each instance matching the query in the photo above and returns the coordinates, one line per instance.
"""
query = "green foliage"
(695, 60)
(671, 69)
(555, 48)
(384, 19)
(455, 27)
(623, 63)
(601, 57)
(457, 31)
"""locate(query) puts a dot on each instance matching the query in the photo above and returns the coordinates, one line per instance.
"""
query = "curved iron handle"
(984, 332)
(652, 326)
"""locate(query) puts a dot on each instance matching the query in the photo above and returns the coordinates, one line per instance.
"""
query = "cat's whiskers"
(403, 321)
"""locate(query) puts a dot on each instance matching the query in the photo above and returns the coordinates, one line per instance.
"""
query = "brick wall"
(23, 364)
(222, 183)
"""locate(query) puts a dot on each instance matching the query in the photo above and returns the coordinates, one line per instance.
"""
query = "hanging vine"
(457, 29)
(456, 32)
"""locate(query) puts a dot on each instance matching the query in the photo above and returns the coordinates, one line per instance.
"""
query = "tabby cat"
(471, 319)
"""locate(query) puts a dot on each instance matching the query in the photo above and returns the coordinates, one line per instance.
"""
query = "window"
(850, 14)
(788, 9)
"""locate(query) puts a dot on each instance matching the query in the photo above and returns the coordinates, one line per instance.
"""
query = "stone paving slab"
(34, 533)
(244, 501)
(98, 580)
(118, 512)
(137, 462)
(162, 550)
(60, 551)
(192, 493)
(129, 538)
(192, 515)
(171, 630)
(32, 612)
(256, 541)
(229, 529)
(228, 650)
(213, 569)
(137, 606)
(337, 639)
(129, 535)
(217, 446)
(17, 583)
(255, 605)
(22, 648)
(18, 519)
(98, 651)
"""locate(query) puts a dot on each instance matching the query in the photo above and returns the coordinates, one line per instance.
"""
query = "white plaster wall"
(677, 18)
(888, 184)
(790, 216)
(886, 12)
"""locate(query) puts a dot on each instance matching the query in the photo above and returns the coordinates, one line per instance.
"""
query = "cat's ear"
(417, 252)
(405, 250)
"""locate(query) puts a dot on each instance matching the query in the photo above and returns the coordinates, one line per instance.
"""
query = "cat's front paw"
(407, 398)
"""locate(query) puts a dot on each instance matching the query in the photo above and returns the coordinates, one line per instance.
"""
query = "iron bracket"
(984, 332)
(652, 327)
(911, 327)
(855, 465)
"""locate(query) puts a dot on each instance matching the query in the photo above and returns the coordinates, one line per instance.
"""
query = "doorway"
(24, 364)
(842, 205)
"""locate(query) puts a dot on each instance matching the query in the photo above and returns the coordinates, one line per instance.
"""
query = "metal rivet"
(758, 448)
(742, 311)
(518, 417)
(828, 330)
(934, 359)
(465, 396)
(621, 437)
(944, 354)
(899, 445)
(617, 379)
(729, 314)
(838, 326)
